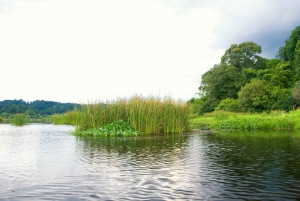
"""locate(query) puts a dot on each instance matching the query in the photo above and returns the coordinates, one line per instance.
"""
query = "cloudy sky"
(83, 50)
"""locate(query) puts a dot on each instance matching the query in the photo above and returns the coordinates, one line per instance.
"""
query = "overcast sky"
(83, 50)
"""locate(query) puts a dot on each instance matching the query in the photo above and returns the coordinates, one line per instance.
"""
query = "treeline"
(246, 82)
(34, 109)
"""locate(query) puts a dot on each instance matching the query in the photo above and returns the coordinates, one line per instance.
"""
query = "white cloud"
(76, 51)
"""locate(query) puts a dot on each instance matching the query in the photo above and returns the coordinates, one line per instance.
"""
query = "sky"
(87, 50)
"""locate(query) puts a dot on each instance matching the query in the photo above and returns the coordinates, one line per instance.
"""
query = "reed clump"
(19, 119)
(146, 115)
(69, 118)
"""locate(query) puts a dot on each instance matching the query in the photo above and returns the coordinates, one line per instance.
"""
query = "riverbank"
(274, 120)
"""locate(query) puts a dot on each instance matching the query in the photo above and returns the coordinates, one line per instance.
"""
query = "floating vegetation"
(116, 128)
(19, 119)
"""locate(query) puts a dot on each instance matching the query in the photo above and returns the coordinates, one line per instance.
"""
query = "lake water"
(46, 162)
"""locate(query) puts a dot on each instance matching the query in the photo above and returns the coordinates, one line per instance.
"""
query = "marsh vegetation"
(145, 115)
(274, 120)
(19, 119)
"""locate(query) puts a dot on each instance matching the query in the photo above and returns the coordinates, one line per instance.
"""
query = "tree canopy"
(248, 82)
(35, 108)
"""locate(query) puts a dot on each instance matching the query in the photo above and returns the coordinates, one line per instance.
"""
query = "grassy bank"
(275, 120)
(143, 114)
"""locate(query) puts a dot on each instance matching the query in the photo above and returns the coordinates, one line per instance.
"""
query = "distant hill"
(35, 108)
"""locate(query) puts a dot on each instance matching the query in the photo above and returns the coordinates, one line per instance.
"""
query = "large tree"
(222, 82)
(244, 56)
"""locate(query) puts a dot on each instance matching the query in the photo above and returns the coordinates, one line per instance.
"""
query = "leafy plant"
(116, 128)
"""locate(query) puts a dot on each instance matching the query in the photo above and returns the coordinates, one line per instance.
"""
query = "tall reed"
(144, 114)
(69, 118)
(19, 119)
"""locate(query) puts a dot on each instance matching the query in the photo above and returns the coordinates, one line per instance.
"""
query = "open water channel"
(47, 162)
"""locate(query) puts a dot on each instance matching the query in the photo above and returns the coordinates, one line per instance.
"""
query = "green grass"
(274, 120)
(69, 118)
(19, 119)
(146, 115)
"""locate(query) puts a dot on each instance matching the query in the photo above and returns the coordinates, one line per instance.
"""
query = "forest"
(34, 109)
(244, 81)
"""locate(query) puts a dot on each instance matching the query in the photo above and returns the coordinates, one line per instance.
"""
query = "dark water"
(46, 162)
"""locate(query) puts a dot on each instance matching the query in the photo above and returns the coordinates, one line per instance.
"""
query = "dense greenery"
(145, 115)
(275, 120)
(33, 109)
(116, 128)
(245, 81)
(68, 118)
(19, 119)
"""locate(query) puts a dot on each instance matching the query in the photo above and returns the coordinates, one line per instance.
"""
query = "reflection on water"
(43, 161)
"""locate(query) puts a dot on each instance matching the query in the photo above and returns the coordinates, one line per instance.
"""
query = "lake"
(47, 162)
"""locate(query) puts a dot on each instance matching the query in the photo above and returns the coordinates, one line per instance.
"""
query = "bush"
(230, 105)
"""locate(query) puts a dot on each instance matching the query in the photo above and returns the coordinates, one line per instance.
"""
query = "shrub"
(229, 104)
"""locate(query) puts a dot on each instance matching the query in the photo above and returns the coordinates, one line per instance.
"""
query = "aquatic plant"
(144, 114)
(69, 118)
(255, 123)
(116, 128)
(19, 119)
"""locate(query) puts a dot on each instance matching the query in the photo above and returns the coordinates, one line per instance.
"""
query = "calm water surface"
(46, 162)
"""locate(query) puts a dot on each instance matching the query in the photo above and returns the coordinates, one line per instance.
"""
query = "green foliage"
(279, 99)
(288, 51)
(209, 104)
(222, 82)
(1, 120)
(254, 96)
(196, 104)
(296, 91)
(280, 75)
(296, 62)
(257, 83)
(19, 119)
(260, 123)
(117, 128)
(69, 118)
(34, 109)
(229, 104)
(146, 115)
(244, 55)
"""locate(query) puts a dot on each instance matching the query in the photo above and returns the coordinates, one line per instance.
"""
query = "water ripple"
(46, 162)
